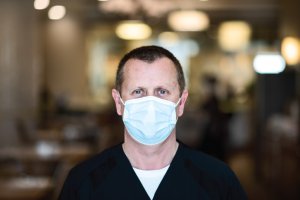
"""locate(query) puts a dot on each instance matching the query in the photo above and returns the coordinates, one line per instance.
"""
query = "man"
(150, 96)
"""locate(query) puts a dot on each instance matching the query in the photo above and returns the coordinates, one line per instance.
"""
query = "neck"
(150, 157)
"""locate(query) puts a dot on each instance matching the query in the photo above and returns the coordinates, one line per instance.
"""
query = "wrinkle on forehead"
(160, 73)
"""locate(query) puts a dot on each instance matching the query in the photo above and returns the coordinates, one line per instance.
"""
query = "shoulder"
(205, 167)
(104, 160)
(212, 173)
(90, 172)
(202, 160)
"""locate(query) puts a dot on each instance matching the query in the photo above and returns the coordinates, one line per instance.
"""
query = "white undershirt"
(151, 179)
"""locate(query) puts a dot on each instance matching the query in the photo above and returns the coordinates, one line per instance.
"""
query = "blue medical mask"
(149, 120)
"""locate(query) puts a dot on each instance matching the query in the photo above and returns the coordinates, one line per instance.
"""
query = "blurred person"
(284, 125)
(215, 132)
(151, 163)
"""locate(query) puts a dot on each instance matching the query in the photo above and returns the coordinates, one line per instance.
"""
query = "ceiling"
(246, 9)
(263, 15)
(217, 9)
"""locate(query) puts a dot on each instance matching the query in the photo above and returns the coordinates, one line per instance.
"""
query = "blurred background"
(57, 64)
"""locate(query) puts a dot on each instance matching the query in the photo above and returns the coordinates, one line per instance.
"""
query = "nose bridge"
(150, 92)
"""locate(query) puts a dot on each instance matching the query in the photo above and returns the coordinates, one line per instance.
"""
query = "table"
(46, 151)
(28, 188)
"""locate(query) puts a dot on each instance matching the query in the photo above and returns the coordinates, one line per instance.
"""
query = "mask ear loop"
(176, 107)
(178, 102)
(121, 100)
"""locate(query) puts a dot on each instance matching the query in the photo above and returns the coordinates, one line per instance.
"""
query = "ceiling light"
(268, 63)
(188, 20)
(290, 49)
(133, 30)
(41, 4)
(234, 35)
(57, 12)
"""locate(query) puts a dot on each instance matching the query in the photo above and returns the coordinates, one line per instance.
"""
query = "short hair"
(149, 54)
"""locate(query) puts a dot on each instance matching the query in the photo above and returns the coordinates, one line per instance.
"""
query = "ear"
(182, 102)
(117, 100)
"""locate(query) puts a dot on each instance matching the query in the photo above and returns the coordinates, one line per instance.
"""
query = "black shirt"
(191, 175)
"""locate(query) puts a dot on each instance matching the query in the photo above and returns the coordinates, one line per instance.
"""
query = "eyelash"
(137, 92)
(163, 91)
(159, 92)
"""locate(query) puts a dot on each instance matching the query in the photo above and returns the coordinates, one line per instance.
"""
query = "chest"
(124, 184)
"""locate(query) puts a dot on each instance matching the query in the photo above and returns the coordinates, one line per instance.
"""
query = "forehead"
(161, 71)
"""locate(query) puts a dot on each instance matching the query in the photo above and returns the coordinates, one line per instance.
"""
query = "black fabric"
(191, 175)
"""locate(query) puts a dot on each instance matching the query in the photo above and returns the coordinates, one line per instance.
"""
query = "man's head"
(150, 87)
(149, 54)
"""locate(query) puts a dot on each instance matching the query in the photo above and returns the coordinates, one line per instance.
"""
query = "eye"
(138, 92)
(162, 92)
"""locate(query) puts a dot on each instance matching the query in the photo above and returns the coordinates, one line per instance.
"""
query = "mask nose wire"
(124, 103)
